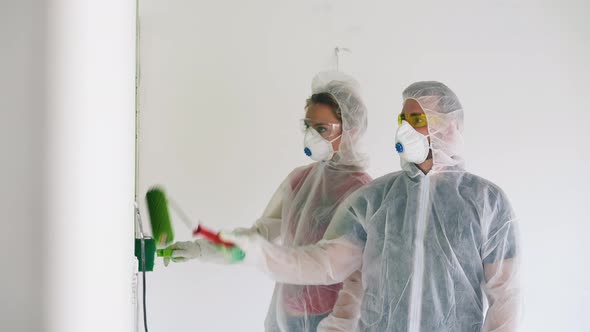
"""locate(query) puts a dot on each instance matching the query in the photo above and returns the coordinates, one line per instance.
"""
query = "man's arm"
(347, 309)
(503, 294)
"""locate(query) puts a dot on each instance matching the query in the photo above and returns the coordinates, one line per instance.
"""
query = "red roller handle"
(211, 236)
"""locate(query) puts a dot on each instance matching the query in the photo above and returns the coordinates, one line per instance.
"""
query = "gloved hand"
(199, 249)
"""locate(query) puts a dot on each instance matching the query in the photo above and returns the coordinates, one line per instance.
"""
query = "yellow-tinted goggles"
(415, 120)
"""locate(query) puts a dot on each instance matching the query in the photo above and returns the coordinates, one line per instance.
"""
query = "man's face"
(411, 106)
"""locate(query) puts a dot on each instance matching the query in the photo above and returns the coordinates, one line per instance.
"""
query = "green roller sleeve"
(159, 217)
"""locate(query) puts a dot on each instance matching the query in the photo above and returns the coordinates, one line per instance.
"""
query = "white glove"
(251, 231)
(199, 249)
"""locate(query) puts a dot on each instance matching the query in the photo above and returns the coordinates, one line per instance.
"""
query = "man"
(437, 245)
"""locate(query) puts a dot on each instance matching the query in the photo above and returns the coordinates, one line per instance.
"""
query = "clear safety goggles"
(325, 129)
(415, 120)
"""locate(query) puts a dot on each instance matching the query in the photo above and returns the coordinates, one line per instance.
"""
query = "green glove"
(231, 254)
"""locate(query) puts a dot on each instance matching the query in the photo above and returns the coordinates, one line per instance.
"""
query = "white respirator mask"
(412, 146)
(316, 147)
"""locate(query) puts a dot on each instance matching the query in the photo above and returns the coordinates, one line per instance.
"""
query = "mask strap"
(334, 140)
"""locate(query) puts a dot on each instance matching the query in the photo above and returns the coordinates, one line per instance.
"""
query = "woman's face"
(324, 121)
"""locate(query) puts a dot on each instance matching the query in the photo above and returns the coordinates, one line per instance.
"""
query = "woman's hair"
(327, 99)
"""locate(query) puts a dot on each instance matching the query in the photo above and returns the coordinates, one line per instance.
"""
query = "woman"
(300, 211)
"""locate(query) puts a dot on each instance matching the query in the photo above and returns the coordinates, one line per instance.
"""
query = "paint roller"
(163, 233)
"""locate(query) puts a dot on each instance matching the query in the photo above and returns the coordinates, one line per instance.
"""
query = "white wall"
(90, 165)
(224, 83)
(21, 123)
(67, 167)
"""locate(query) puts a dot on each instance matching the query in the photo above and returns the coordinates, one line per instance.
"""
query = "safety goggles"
(325, 129)
(415, 120)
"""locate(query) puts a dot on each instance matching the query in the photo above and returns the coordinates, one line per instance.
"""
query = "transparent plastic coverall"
(439, 251)
(299, 214)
